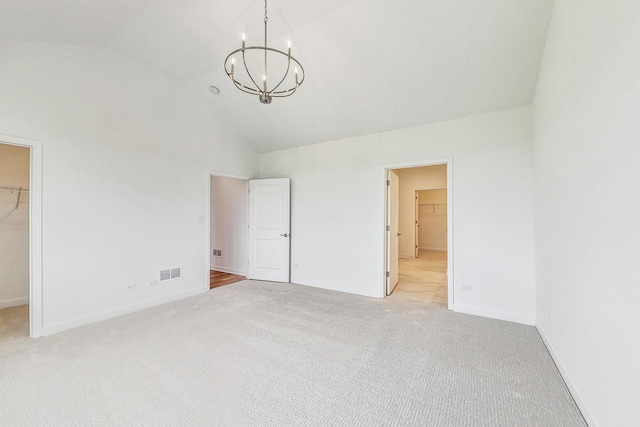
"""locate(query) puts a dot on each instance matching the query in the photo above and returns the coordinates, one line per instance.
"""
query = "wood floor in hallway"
(220, 278)
(423, 279)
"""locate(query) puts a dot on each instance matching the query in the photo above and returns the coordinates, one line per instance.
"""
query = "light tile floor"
(423, 279)
(14, 323)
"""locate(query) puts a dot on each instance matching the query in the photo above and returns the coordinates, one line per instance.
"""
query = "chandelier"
(252, 61)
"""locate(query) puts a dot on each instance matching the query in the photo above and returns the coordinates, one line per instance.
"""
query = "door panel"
(269, 233)
(393, 200)
(417, 225)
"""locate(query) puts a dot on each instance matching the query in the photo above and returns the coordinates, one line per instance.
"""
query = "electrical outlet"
(466, 287)
(130, 287)
(153, 282)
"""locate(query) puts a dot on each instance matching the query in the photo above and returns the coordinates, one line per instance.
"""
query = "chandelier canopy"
(245, 64)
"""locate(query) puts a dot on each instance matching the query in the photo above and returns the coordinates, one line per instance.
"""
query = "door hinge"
(416, 246)
(388, 183)
(388, 274)
(388, 228)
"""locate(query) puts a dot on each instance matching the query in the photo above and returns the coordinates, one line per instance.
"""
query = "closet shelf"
(10, 188)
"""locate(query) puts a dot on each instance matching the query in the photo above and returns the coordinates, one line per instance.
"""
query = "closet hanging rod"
(5, 187)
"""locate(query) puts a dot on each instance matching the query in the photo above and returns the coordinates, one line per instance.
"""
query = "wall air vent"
(172, 273)
(217, 252)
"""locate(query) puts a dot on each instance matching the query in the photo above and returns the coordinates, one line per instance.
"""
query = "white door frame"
(36, 304)
(416, 164)
(208, 221)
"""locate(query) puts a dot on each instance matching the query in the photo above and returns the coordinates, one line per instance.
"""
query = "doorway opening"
(418, 232)
(21, 234)
(249, 229)
(15, 175)
(227, 230)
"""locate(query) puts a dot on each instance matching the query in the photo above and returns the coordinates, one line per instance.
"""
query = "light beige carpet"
(256, 353)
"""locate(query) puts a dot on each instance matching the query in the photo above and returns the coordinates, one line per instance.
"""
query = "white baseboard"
(434, 249)
(494, 314)
(567, 380)
(92, 318)
(14, 302)
(229, 270)
(362, 292)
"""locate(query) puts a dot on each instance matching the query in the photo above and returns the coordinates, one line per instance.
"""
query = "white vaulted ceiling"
(371, 65)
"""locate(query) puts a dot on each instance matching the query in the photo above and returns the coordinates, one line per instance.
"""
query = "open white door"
(417, 226)
(393, 200)
(269, 229)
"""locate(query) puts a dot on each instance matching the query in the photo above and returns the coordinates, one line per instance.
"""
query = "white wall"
(229, 224)
(14, 226)
(127, 153)
(412, 179)
(338, 188)
(587, 146)
(432, 218)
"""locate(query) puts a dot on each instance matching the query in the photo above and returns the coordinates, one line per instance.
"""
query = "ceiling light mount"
(252, 58)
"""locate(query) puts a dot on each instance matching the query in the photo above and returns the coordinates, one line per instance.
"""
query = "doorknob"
(399, 234)
(285, 235)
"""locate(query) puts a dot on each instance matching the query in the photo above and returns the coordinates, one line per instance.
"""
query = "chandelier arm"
(286, 73)
(236, 83)
(246, 89)
(244, 61)
(285, 94)
(290, 91)
(239, 85)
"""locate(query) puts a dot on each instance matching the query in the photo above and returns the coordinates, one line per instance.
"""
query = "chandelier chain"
(265, 11)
